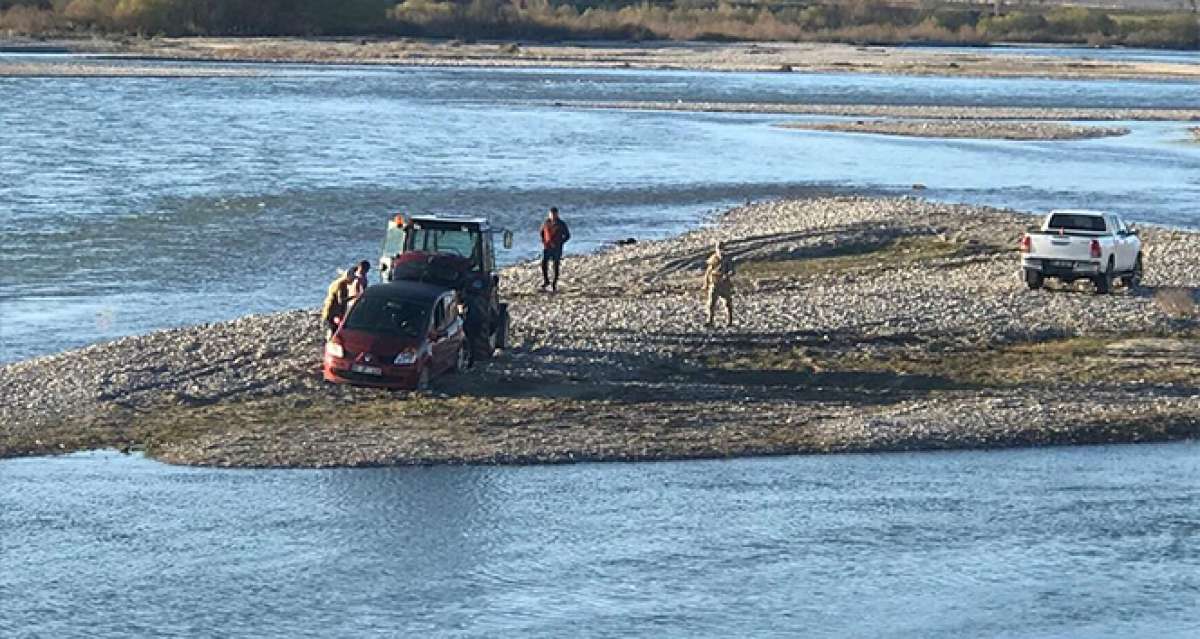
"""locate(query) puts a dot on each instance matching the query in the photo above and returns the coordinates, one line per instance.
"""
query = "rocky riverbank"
(104, 69)
(975, 129)
(707, 56)
(916, 112)
(863, 324)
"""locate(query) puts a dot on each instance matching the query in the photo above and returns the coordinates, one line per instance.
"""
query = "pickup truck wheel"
(1033, 279)
(1104, 281)
(1134, 279)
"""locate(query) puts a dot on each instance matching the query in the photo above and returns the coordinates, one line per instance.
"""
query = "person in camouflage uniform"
(718, 283)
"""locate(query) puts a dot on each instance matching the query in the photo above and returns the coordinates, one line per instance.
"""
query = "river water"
(133, 204)
(130, 204)
(1066, 542)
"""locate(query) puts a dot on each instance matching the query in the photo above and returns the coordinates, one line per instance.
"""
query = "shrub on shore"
(871, 21)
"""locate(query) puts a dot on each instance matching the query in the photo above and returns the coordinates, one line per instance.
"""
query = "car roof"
(1091, 212)
(413, 291)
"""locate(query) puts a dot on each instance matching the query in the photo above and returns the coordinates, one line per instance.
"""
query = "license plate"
(366, 370)
(1062, 263)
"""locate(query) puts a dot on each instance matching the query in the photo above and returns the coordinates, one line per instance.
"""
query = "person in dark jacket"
(473, 327)
(359, 284)
(554, 235)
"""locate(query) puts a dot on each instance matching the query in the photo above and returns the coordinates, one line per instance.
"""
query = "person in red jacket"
(554, 234)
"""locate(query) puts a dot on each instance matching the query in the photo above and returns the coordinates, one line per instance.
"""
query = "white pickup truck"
(1078, 244)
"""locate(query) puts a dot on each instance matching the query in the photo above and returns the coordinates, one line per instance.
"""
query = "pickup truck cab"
(1081, 244)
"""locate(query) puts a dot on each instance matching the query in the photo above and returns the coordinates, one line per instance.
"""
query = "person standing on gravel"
(718, 283)
(337, 302)
(554, 235)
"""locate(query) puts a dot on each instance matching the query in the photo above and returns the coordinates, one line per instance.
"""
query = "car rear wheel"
(1033, 279)
(1104, 281)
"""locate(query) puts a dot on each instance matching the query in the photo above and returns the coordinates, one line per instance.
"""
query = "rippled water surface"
(132, 204)
(128, 204)
(1082, 542)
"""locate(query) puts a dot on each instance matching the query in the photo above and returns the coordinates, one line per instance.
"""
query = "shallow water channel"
(130, 204)
(1061, 542)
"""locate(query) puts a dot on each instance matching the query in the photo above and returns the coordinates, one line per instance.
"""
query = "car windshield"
(1076, 222)
(388, 316)
(460, 241)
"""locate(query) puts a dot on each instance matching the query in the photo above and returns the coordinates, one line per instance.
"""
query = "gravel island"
(863, 324)
(972, 129)
(916, 112)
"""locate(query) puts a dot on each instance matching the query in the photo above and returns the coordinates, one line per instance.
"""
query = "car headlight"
(405, 357)
(333, 349)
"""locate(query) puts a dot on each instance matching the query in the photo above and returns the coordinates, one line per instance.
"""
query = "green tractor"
(458, 253)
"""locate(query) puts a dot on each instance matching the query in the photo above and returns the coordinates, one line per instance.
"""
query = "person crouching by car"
(554, 235)
(337, 302)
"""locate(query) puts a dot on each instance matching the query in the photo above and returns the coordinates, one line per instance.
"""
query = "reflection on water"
(128, 204)
(1071, 542)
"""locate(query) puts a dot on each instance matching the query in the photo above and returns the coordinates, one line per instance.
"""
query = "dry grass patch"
(1108, 360)
(1177, 303)
(898, 253)
(1099, 361)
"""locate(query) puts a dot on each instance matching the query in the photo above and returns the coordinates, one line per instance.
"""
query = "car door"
(443, 337)
(456, 334)
(437, 354)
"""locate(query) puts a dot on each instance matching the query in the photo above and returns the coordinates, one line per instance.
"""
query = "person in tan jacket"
(718, 283)
(337, 302)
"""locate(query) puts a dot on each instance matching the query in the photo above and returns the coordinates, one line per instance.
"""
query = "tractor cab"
(470, 239)
(454, 253)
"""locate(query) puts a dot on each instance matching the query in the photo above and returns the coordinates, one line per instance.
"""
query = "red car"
(398, 335)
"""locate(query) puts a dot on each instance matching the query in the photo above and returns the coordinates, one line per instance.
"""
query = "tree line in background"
(866, 21)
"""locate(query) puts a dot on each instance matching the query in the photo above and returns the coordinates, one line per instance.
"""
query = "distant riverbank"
(707, 56)
(972, 129)
(863, 324)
